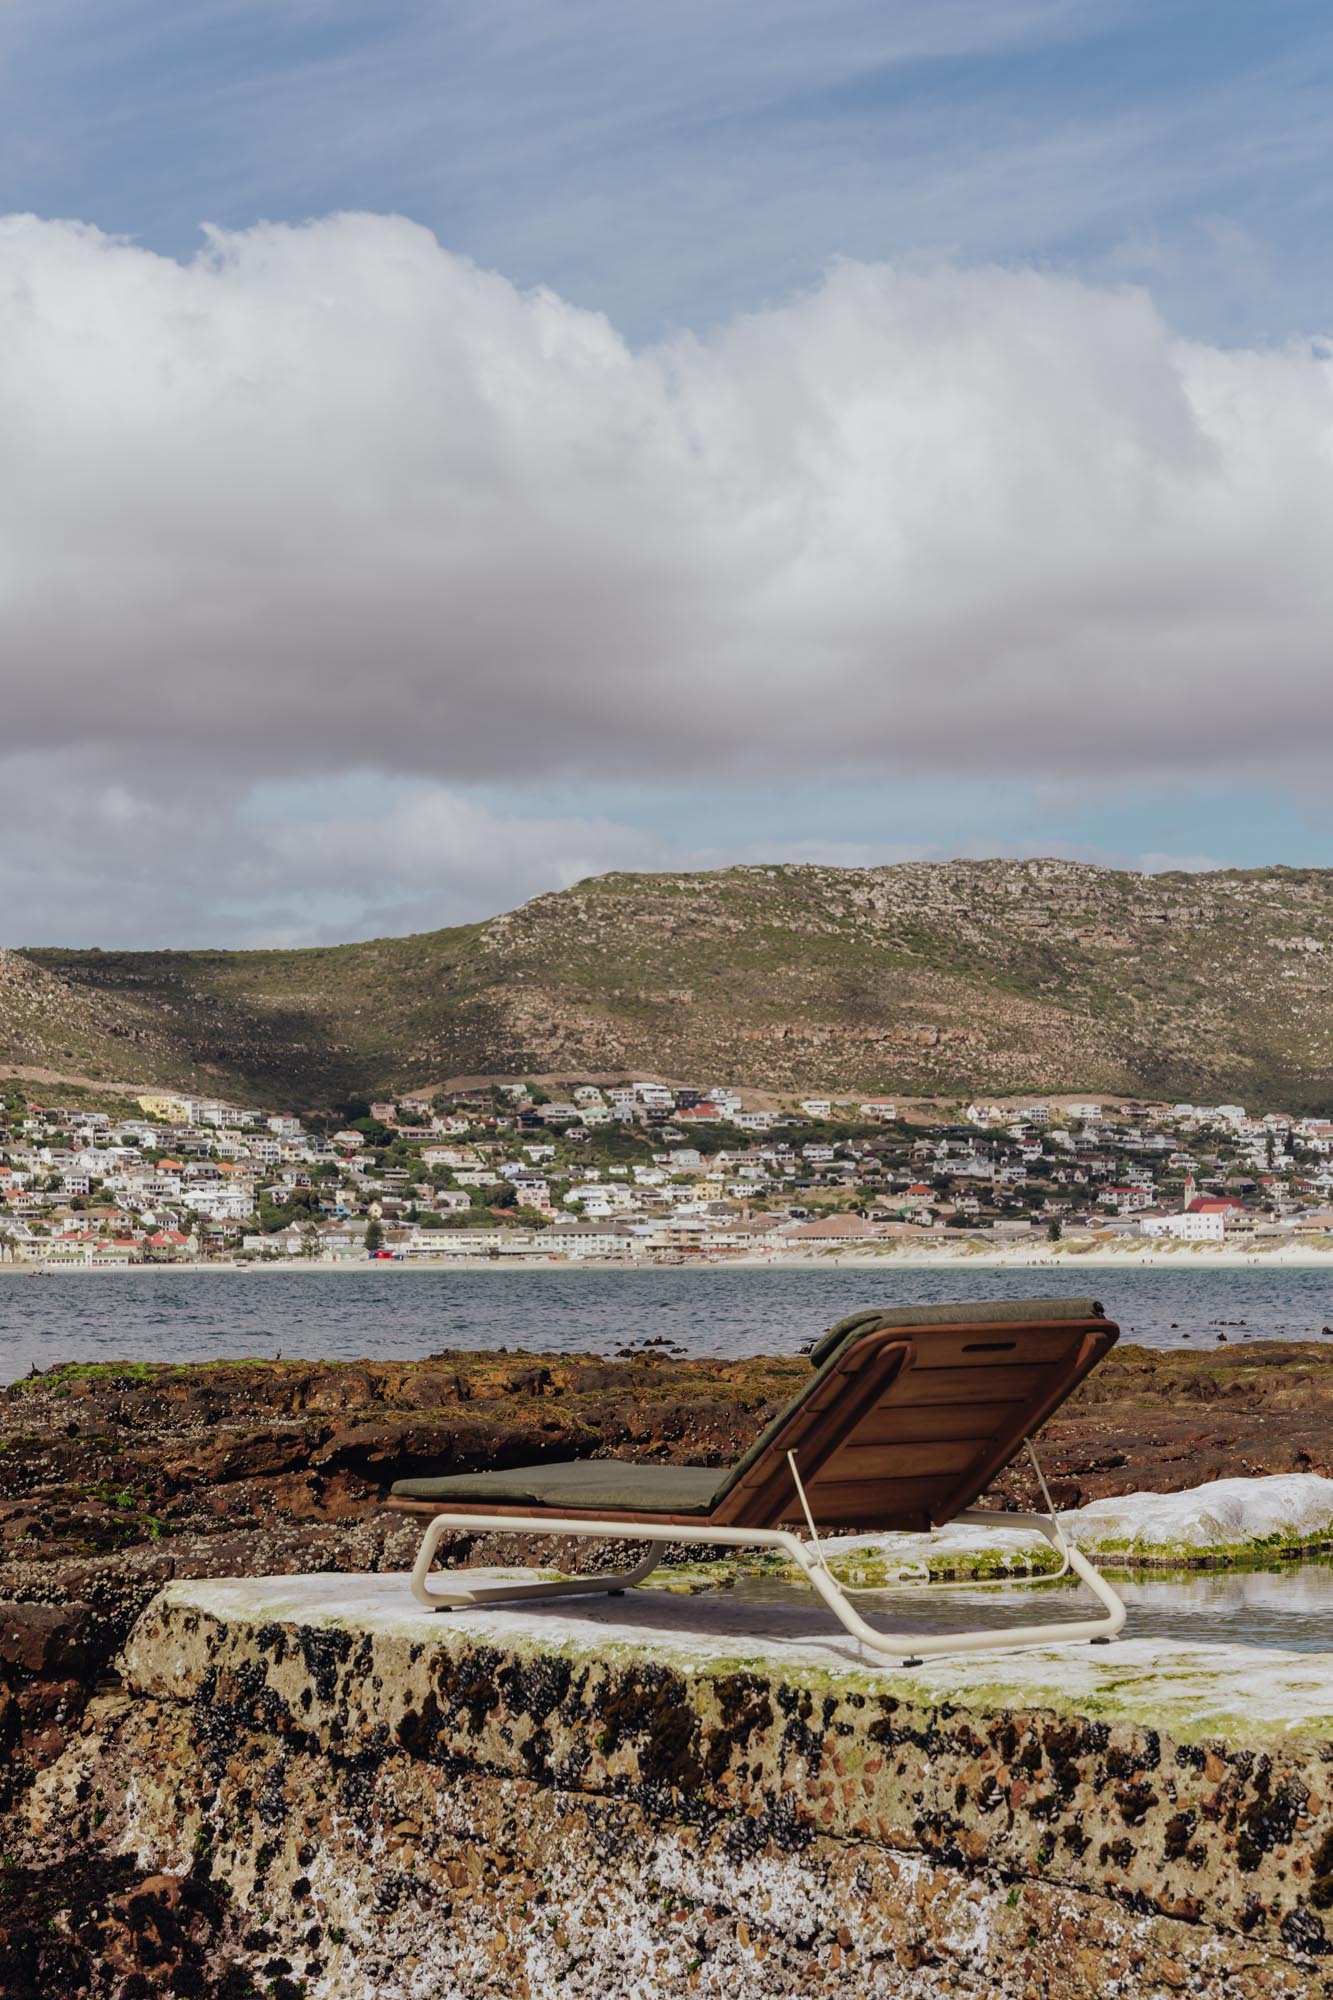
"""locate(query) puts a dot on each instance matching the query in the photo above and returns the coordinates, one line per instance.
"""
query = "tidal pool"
(1288, 1608)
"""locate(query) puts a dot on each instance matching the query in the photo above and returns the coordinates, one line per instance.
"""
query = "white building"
(655, 1097)
(1185, 1228)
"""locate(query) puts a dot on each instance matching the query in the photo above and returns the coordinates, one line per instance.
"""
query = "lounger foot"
(464, 1594)
(911, 1663)
(1099, 1642)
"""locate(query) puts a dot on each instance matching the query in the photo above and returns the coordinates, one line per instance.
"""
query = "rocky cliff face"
(935, 980)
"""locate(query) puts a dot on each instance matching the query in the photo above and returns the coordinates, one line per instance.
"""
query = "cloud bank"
(329, 499)
(331, 496)
(90, 860)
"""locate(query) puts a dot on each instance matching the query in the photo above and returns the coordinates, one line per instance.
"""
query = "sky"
(452, 447)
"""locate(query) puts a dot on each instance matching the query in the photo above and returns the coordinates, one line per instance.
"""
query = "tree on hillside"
(374, 1236)
(274, 1215)
(372, 1131)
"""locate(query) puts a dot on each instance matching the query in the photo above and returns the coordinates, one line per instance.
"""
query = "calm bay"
(161, 1315)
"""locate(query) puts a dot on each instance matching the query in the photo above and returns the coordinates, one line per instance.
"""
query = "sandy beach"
(1187, 1256)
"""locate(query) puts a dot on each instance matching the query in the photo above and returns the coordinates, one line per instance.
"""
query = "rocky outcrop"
(93, 1926)
(118, 1481)
(530, 1803)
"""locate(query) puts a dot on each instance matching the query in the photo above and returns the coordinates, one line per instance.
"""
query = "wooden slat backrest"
(858, 1381)
(904, 1428)
(911, 1425)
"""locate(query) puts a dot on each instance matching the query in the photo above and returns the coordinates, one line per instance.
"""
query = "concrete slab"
(656, 1795)
(1194, 1691)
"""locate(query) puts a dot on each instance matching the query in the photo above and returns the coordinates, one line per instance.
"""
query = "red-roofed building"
(169, 1243)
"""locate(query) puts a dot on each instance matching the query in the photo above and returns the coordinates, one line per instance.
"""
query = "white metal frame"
(909, 1648)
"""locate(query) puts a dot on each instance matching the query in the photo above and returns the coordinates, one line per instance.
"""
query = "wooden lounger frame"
(901, 1433)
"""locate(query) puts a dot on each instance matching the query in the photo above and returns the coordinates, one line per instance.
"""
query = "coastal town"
(648, 1172)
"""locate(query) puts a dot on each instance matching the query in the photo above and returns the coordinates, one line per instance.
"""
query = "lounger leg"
(611, 1583)
(911, 1648)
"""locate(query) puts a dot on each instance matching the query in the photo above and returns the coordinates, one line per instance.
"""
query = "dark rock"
(45, 1641)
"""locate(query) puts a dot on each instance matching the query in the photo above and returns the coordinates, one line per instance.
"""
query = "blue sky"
(672, 166)
(685, 171)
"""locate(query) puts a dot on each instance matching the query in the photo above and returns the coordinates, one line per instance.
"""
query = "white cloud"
(436, 855)
(332, 497)
(669, 164)
(87, 861)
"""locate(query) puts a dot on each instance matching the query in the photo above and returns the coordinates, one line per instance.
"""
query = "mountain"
(925, 979)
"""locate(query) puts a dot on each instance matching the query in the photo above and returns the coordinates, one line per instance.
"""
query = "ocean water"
(160, 1315)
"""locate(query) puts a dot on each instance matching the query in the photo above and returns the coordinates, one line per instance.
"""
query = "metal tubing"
(889, 1644)
(505, 1593)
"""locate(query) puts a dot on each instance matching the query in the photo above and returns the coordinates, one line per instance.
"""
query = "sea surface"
(148, 1315)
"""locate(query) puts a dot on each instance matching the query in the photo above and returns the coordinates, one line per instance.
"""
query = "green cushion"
(978, 1313)
(580, 1482)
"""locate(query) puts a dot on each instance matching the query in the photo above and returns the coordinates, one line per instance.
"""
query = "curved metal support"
(610, 1583)
(909, 1648)
(928, 1645)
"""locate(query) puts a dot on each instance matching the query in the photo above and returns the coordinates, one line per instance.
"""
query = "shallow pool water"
(1288, 1609)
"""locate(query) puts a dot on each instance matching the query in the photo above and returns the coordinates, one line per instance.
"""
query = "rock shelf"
(651, 1796)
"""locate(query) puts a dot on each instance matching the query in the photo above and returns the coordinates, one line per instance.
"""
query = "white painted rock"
(1291, 1506)
(1228, 1518)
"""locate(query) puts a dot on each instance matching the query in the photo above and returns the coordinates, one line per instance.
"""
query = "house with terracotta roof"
(168, 1243)
(830, 1230)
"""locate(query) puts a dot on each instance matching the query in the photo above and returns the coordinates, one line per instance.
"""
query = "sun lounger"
(907, 1417)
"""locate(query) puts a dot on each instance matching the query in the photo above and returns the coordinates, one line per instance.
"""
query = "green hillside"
(922, 979)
